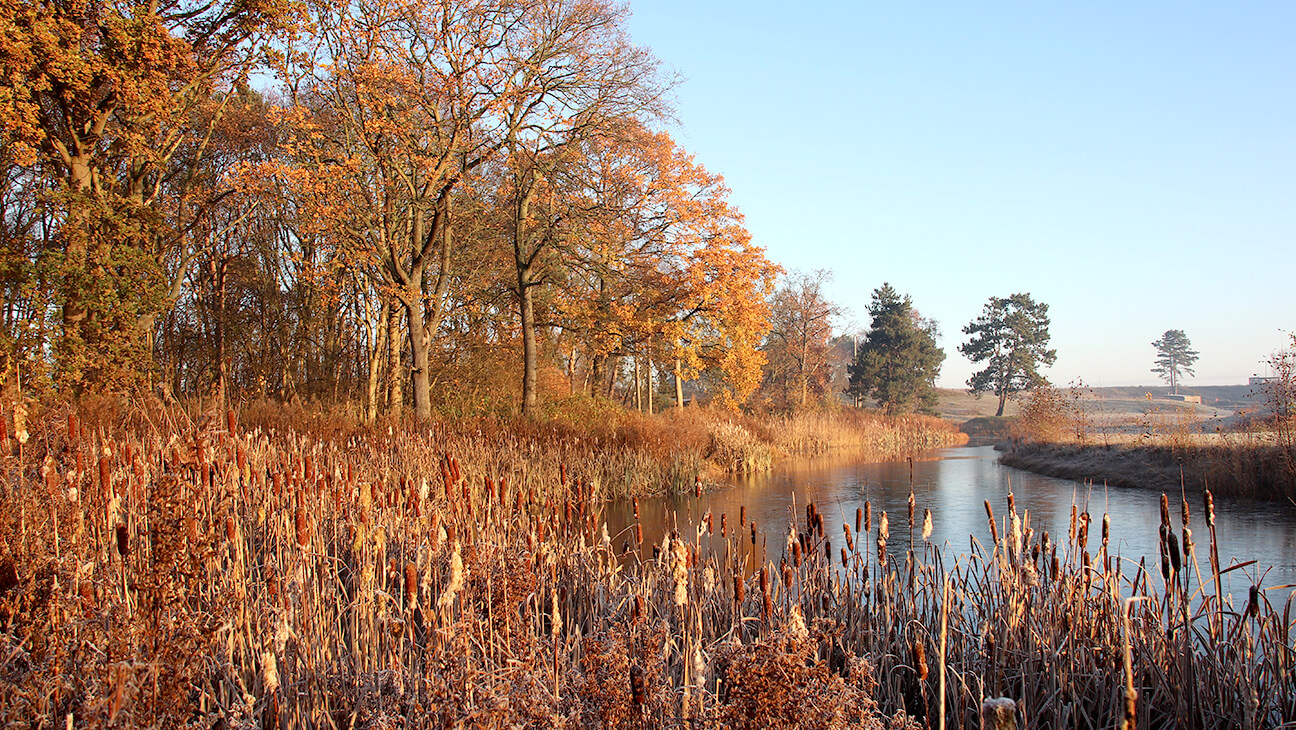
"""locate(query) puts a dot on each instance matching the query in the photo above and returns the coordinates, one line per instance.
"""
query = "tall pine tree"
(898, 362)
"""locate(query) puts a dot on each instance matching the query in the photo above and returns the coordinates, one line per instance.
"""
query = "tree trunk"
(526, 309)
(679, 386)
(377, 343)
(395, 380)
(418, 340)
(648, 386)
(1003, 398)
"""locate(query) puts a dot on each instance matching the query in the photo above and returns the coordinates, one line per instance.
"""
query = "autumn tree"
(1011, 336)
(398, 103)
(801, 321)
(1175, 357)
(114, 103)
(899, 360)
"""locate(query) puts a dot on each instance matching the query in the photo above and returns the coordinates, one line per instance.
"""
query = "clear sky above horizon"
(1133, 167)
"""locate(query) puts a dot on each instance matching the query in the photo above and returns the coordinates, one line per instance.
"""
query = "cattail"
(411, 583)
(1106, 528)
(299, 522)
(796, 553)
(1210, 509)
(637, 694)
(753, 532)
(999, 714)
(105, 475)
(230, 531)
(827, 550)
(679, 571)
(884, 527)
(636, 507)
(1165, 509)
(742, 515)
(1071, 532)
(927, 524)
(639, 609)
(456, 582)
(1253, 602)
(843, 557)
(920, 659)
(911, 510)
(20, 422)
(73, 429)
(767, 600)
(868, 517)
(994, 526)
(123, 540)
(724, 524)
(1172, 546)
(638, 533)
(697, 486)
(739, 587)
(269, 672)
(859, 519)
(788, 575)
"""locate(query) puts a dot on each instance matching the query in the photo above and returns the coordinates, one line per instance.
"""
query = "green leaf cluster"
(1011, 336)
(898, 362)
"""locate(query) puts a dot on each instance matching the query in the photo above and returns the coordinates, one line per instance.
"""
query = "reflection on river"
(954, 484)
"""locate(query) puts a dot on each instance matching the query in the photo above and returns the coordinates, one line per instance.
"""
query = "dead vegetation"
(158, 573)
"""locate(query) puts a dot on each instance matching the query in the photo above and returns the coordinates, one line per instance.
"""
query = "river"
(954, 484)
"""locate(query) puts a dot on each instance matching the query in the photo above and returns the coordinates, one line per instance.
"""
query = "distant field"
(1120, 407)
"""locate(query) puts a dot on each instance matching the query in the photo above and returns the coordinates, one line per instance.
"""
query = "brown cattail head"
(231, 422)
(637, 693)
(1165, 509)
(742, 515)
(911, 510)
(636, 507)
(1210, 508)
(920, 659)
(859, 519)
(1253, 602)
(639, 533)
(697, 486)
(411, 583)
(1185, 512)
(843, 556)
(303, 531)
(724, 524)
(927, 524)
(230, 530)
(767, 599)
(796, 553)
(868, 516)
(1172, 547)
(105, 475)
(739, 586)
(753, 532)
(74, 430)
(123, 540)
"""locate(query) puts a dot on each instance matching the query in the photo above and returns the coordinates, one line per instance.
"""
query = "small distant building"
(1184, 398)
(1261, 380)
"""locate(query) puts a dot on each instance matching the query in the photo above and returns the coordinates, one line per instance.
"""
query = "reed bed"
(165, 574)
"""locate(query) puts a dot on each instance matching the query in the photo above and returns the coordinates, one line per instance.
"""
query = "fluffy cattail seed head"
(927, 524)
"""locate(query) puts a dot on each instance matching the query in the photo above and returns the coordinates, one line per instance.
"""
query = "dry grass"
(158, 573)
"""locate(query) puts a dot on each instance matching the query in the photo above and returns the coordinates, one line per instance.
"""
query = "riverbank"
(1246, 467)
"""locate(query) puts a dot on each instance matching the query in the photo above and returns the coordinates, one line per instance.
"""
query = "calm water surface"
(954, 484)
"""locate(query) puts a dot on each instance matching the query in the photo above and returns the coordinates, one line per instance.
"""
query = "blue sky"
(1133, 167)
